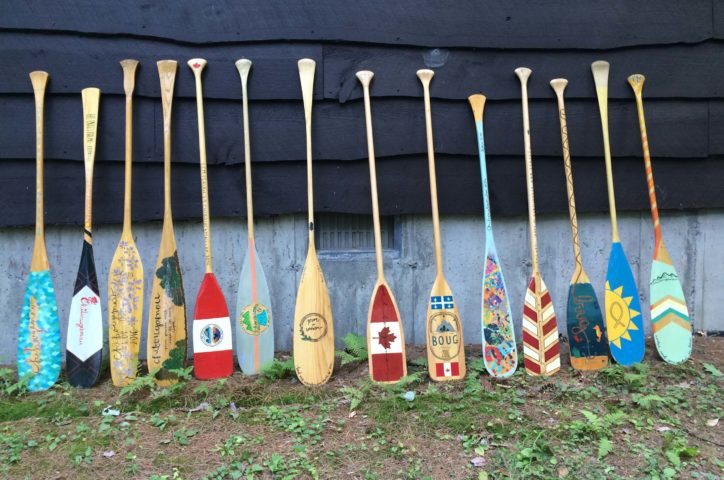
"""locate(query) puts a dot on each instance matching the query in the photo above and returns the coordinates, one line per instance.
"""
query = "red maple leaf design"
(196, 65)
(386, 338)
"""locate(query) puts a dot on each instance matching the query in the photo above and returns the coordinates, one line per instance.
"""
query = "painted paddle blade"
(385, 338)
(254, 322)
(540, 331)
(213, 354)
(586, 331)
(445, 344)
(313, 325)
(499, 348)
(39, 347)
(624, 323)
(669, 315)
(125, 310)
(84, 343)
(166, 341)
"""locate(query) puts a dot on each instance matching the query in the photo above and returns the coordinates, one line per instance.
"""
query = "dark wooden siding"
(473, 46)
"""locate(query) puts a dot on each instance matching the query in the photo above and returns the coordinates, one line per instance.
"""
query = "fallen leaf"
(109, 453)
(563, 472)
(477, 461)
(712, 423)
(110, 412)
(352, 414)
(663, 429)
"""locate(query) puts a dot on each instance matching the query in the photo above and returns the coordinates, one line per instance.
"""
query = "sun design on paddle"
(620, 315)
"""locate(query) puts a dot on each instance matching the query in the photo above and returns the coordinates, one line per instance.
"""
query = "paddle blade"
(499, 350)
(586, 330)
(84, 342)
(254, 325)
(445, 344)
(39, 348)
(624, 323)
(385, 338)
(213, 354)
(669, 315)
(166, 339)
(125, 309)
(313, 325)
(540, 330)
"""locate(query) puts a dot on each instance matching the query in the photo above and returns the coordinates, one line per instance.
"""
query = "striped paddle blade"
(669, 315)
(540, 330)
(213, 356)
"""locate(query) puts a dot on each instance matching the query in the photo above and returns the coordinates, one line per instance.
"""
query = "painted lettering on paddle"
(255, 319)
(33, 359)
(313, 327)
(444, 335)
(579, 332)
(85, 302)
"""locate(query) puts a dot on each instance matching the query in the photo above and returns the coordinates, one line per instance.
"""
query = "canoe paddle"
(125, 278)
(385, 333)
(586, 330)
(669, 315)
(84, 342)
(39, 348)
(540, 330)
(624, 323)
(254, 328)
(166, 339)
(213, 355)
(445, 347)
(313, 323)
(499, 349)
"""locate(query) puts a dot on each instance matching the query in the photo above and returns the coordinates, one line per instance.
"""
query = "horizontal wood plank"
(465, 23)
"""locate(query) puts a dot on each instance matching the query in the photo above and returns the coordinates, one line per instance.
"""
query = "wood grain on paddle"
(125, 278)
(385, 333)
(213, 346)
(84, 341)
(445, 344)
(669, 314)
(540, 329)
(313, 323)
(39, 346)
(586, 329)
(624, 323)
(254, 321)
(166, 339)
(499, 349)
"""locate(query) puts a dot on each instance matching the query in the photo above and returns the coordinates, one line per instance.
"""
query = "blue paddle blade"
(586, 329)
(624, 322)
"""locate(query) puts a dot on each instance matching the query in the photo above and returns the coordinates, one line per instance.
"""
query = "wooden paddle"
(213, 355)
(313, 323)
(166, 339)
(125, 278)
(540, 331)
(669, 315)
(39, 349)
(255, 330)
(445, 345)
(84, 342)
(586, 330)
(499, 349)
(385, 333)
(624, 323)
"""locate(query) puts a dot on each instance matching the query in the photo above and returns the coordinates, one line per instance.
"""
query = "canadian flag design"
(447, 369)
(385, 340)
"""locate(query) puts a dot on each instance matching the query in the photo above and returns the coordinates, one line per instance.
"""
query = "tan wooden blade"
(313, 323)
(445, 343)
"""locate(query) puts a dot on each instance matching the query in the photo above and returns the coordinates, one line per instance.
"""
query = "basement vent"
(345, 232)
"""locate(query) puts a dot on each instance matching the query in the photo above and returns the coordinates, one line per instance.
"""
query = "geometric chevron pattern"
(669, 310)
(540, 332)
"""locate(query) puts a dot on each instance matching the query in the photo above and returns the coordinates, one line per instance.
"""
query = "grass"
(652, 421)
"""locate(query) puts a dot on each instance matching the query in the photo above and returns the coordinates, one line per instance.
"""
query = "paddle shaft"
(91, 99)
(39, 262)
(306, 77)
(425, 77)
(600, 76)
(523, 74)
(477, 102)
(244, 66)
(167, 75)
(365, 77)
(559, 85)
(197, 66)
(129, 74)
(637, 83)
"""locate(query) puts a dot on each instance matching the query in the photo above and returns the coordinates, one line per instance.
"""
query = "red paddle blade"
(540, 331)
(213, 355)
(385, 339)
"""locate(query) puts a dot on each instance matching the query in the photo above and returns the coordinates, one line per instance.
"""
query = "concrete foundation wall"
(693, 238)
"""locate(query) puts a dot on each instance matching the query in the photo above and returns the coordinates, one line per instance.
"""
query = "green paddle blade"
(669, 315)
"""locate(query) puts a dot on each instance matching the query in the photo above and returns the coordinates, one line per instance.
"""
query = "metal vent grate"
(340, 231)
